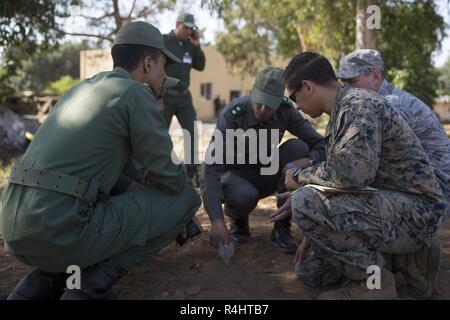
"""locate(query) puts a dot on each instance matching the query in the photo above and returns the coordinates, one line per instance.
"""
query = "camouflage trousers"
(349, 232)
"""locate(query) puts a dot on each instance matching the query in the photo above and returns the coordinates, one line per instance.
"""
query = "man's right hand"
(219, 233)
(285, 210)
(195, 38)
(301, 250)
(148, 178)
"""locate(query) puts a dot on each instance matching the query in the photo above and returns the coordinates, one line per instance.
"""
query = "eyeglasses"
(292, 95)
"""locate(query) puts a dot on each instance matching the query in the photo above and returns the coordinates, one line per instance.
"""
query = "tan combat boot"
(420, 270)
(358, 290)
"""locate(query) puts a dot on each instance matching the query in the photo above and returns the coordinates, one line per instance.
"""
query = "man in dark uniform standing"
(184, 43)
(241, 186)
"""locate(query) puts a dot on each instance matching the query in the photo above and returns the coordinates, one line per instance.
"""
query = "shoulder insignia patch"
(286, 102)
(235, 112)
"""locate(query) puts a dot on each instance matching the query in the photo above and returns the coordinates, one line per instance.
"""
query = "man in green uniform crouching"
(71, 200)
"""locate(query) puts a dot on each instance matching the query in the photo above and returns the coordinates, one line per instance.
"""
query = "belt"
(176, 93)
(54, 181)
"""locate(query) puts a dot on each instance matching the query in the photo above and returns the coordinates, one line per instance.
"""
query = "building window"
(206, 90)
(234, 94)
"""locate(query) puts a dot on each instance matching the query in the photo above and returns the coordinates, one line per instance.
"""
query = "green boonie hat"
(170, 82)
(269, 87)
(143, 33)
(187, 19)
(353, 64)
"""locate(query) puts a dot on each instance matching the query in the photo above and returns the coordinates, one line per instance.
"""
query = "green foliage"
(27, 20)
(410, 32)
(27, 24)
(61, 86)
(255, 30)
(258, 30)
(45, 66)
(407, 48)
(444, 79)
(36, 27)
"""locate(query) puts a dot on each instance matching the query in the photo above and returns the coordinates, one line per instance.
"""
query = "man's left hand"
(301, 250)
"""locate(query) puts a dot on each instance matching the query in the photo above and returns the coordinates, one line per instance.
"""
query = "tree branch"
(110, 14)
(82, 34)
(132, 8)
(117, 16)
(143, 13)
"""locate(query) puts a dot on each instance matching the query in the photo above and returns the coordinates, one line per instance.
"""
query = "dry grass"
(4, 173)
(7, 160)
(447, 129)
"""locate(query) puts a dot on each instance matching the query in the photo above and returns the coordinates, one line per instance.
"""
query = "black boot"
(240, 231)
(39, 285)
(192, 230)
(96, 283)
(281, 237)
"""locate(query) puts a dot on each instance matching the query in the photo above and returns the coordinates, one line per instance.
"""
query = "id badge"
(187, 59)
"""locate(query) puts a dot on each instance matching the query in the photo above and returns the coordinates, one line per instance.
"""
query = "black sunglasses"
(292, 95)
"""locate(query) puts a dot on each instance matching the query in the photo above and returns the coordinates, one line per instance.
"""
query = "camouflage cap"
(269, 87)
(187, 19)
(353, 64)
(143, 33)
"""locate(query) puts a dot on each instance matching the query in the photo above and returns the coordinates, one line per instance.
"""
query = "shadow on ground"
(195, 272)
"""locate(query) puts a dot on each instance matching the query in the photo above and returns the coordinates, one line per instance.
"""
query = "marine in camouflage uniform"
(420, 117)
(368, 144)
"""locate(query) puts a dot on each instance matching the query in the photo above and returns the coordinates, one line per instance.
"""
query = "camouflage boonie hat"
(187, 19)
(353, 64)
(269, 87)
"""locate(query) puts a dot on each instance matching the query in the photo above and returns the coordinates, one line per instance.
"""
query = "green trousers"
(126, 229)
(183, 108)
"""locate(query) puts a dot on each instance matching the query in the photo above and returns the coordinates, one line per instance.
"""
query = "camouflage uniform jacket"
(368, 143)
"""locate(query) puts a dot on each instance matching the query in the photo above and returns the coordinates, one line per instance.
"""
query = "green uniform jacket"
(92, 133)
(190, 56)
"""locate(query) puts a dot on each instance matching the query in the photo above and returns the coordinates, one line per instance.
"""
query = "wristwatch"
(311, 162)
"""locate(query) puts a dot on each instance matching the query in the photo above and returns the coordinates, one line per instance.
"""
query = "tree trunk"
(366, 37)
(302, 31)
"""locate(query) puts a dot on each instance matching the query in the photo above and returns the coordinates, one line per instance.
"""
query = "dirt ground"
(195, 272)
